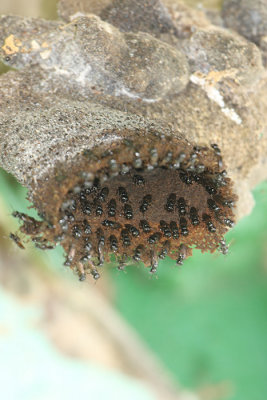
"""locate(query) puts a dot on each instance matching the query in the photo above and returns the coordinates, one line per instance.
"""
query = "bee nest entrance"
(140, 200)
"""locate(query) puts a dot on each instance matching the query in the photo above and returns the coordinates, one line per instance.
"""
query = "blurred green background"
(207, 320)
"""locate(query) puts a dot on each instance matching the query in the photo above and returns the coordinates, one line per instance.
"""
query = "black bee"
(16, 240)
(126, 241)
(112, 208)
(23, 217)
(100, 236)
(138, 252)
(183, 225)
(85, 258)
(228, 222)
(197, 149)
(219, 180)
(111, 224)
(194, 216)
(82, 196)
(138, 180)
(122, 262)
(181, 255)
(164, 227)
(87, 228)
(170, 202)
(223, 247)
(133, 230)
(128, 211)
(154, 262)
(88, 247)
(69, 216)
(181, 206)
(86, 208)
(154, 238)
(196, 178)
(217, 152)
(145, 203)
(30, 225)
(165, 250)
(92, 189)
(82, 277)
(64, 225)
(95, 274)
(174, 230)
(210, 189)
(186, 177)
(212, 205)
(99, 210)
(216, 149)
(101, 244)
(220, 162)
(76, 232)
(226, 202)
(44, 246)
(145, 226)
(209, 224)
(123, 194)
(113, 243)
(229, 203)
(67, 262)
(103, 194)
(73, 205)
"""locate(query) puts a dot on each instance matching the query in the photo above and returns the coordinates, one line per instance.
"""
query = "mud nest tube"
(148, 197)
(95, 121)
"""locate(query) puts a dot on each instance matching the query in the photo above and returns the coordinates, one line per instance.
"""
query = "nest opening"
(141, 200)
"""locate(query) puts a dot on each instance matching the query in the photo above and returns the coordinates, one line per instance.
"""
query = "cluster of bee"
(122, 212)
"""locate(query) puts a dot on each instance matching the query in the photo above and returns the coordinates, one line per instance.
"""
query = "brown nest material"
(146, 197)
